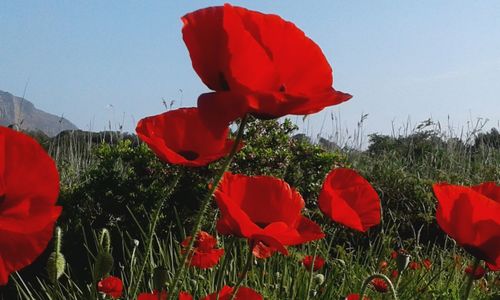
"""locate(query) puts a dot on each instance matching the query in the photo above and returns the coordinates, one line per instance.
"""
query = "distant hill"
(23, 114)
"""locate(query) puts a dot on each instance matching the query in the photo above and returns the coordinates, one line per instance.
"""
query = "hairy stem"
(243, 275)
(311, 272)
(468, 288)
(152, 230)
(205, 204)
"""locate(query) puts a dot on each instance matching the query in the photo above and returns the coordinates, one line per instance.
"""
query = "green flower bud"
(103, 264)
(55, 266)
(56, 262)
(105, 240)
(319, 279)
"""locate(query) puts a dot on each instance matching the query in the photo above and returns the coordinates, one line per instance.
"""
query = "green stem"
(222, 268)
(248, 265)
(398, 280)
(468, 288)
(205, 204)
(381, 276)
(311, 272)
(152, 229)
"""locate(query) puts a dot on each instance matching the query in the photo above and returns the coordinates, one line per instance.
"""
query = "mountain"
(23, 114)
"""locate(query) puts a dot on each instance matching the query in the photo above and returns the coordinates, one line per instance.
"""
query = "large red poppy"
(29, 186)
(204, 254)
(257, 63)
(349, 199)
(266, 211)
(181, 137)
(472, 217)
(226, 293)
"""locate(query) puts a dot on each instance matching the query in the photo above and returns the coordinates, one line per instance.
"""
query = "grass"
(402, 169)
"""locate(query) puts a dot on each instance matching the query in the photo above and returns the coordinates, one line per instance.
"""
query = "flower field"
(222, 201)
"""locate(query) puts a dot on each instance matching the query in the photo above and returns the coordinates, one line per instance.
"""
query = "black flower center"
(189, 155)
(262, 116)
(282, 88)
(261, 224)
(223, 82)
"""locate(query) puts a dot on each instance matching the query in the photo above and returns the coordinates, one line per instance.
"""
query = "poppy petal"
(471, 218)
(270, 66)
(488, 189)
(223, 108)
(269, 241)
(241, 198)
(182, 137)
(349, 199)
(29, 186)
(286, 43)
(207, 259)
(224, 54)
(244, 293)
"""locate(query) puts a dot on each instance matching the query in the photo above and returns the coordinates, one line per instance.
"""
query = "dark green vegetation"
(112, 181)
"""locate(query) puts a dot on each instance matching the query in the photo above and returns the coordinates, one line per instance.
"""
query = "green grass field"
(114, 182)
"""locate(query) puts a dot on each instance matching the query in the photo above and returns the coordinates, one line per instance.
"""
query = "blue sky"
(97, 62)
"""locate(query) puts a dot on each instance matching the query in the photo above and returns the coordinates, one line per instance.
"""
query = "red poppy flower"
(478, 273)
(265, 210)
(243, 293)
(427, 263)
(472, 217)
(319, 262)
(394, 254)
(355, 297)
(257, 63)
(111, 286)
(29, 186)
(181, 137)
(379, 285)
(349, 199)
(414, 266)
(162, 296)
(204, 254)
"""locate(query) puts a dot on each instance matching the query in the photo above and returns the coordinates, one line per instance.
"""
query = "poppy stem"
(248, 265)
(311, 271)
(205, 204)
(152, 229)
(381, 276)
(222, 267)
(468, 288)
